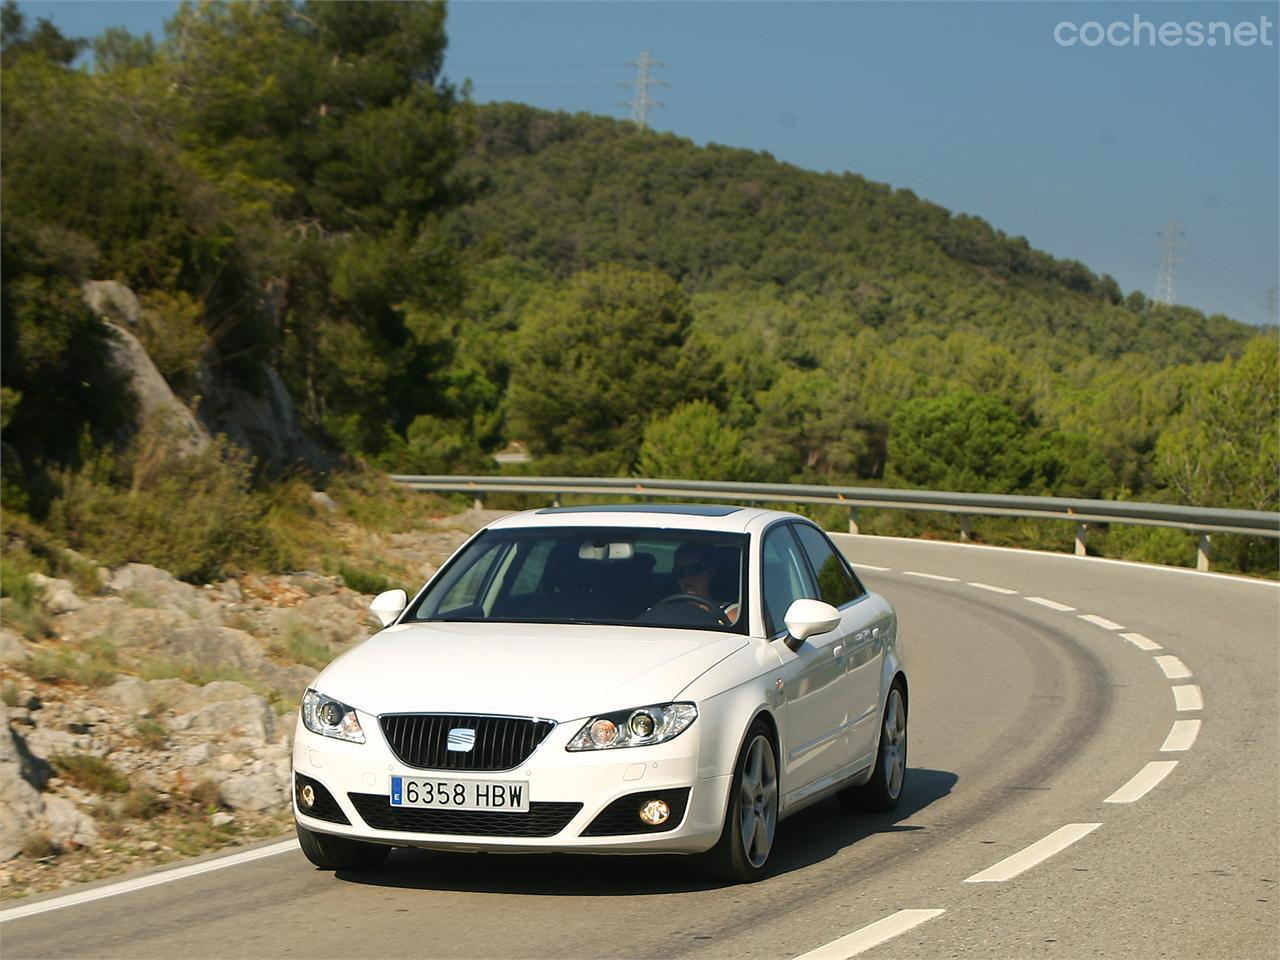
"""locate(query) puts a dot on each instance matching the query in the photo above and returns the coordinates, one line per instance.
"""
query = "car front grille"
(542, 820)
(421, 740)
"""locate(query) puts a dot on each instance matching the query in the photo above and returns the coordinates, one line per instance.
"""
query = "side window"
(835, 583)
(784, 576)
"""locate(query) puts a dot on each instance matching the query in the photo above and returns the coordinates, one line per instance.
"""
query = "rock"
(196, 756)
(156, 401)
(65, 824)
(13, 652)
(262, 791)
(265, 421)
(58, 595)
(165, 634)
(112, 300)
(220, 819)
(20, 801)
(129, 695)
(324, 501)
(251, 718)
(148, 586)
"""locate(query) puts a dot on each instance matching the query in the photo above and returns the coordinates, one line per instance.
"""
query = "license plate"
(497, 796)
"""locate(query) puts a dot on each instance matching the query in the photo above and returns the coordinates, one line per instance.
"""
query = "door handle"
(837, 650)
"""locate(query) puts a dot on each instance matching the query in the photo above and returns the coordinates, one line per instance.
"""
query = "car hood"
(556, 671)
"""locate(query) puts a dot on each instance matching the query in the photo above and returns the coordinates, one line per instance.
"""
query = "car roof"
(726, 518)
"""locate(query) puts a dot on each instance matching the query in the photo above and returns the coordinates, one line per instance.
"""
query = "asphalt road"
(1026, 719)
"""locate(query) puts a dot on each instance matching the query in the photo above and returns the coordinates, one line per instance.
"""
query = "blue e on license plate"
(496, 796)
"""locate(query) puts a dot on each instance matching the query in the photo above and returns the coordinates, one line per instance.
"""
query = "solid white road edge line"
(1173, 668)
(1051, 604)
(1181, 736)
(930, 576)
(872, 935)
(1038, 852)
(1068, 557)
(1102, 622)
(151, 880)
(1143, 781)
(1187, 697)
(1141, 642)
(994, 589)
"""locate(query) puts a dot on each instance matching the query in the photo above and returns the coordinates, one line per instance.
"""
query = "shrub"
(302, 645)
(363, 581)
(193, 515)
(90, 773)
(152, 733)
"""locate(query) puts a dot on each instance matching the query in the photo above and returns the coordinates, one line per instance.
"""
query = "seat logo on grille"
(462, 740)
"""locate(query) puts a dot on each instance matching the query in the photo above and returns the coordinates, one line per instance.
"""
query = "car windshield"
(623, 575)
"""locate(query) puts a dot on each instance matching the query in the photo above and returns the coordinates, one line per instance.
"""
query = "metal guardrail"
(1204, 521)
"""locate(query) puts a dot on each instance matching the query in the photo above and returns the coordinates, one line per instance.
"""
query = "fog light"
(655, 812)
(308, 796)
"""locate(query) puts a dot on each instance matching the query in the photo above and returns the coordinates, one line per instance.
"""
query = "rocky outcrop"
(156, 402)
(25, 812)
(262, 421)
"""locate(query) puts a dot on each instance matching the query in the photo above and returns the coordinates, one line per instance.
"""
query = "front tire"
(881, 793)
(339, 853)
(751, 820)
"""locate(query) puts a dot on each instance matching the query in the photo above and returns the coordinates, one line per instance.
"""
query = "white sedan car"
(612, 679)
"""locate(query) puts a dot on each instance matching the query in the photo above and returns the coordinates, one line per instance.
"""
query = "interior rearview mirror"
(810, 618)
(388, 605)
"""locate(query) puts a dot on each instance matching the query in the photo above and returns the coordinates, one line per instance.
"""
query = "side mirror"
(389, 605)
(810, 618)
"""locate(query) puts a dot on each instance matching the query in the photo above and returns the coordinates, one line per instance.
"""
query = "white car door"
(864, 625)
(814, 671)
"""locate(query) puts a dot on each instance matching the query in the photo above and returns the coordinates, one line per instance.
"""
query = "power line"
(641, 102)
(1168, 263)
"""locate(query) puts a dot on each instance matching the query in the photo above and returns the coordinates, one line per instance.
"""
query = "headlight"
(638, 727)
(330, 718)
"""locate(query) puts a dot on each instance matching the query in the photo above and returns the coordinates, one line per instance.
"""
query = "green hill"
(303, 204)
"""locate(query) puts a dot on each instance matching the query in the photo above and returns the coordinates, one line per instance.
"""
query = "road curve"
(1093, 773)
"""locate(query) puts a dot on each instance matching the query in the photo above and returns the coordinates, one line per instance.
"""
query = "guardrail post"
(1081, 529)
(1202, 553)
(853, 519)
(555, 501)
(966, 528)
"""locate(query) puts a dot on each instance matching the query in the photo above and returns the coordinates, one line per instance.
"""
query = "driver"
(694, 572)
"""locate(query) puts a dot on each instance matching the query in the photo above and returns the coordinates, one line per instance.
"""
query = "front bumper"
(579, 802)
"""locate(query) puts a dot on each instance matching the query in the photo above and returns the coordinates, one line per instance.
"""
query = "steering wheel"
(704, 604)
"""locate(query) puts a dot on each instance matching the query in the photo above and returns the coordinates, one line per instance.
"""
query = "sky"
(1087, 148)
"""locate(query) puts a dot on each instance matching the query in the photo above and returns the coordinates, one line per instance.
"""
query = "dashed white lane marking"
(994, 589)
(930, 576)
(1181, 736)
(1143, 781)
(872, 935)
(151, 880)
(1038, 852)
(1187, 697)
(1173, 668)
(1141, 642)
(1102, 622)
(870, 566)
(1051, 604)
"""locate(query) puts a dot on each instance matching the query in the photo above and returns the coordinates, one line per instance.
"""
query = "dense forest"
(297, 191)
